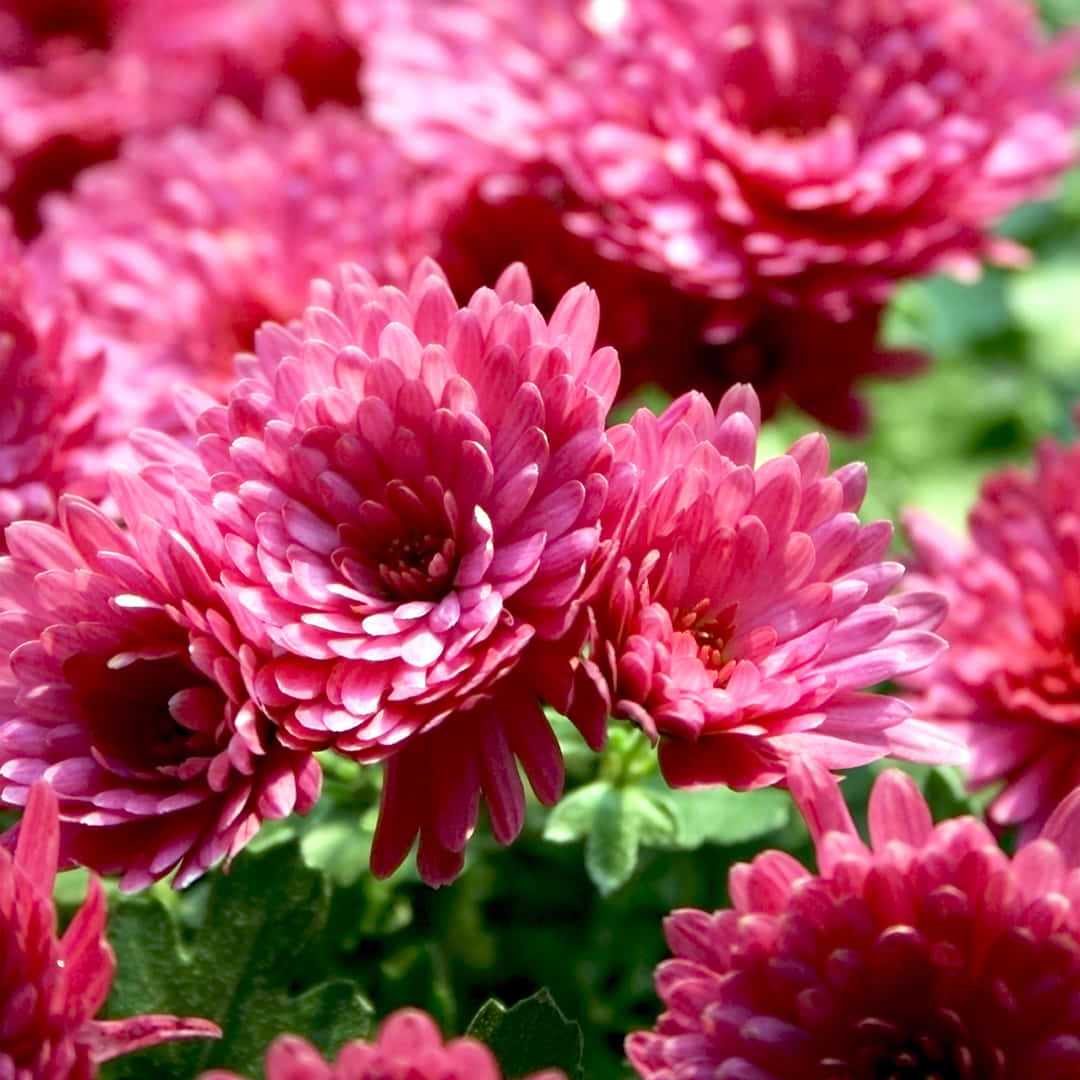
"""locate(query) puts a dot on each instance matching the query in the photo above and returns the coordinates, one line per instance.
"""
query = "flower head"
(408, 1047)
(747, 610)
(126, 687)
(1009, 683)
(51, 988)
(812, 153)
(410, 496)
(48, 412)
(178, 251)
(927, 953)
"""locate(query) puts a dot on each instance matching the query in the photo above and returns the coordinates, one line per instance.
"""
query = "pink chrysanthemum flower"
(51, 988)
(1009, 683)
(181, 248)
(410, 495)
(125, 685)
(928, 953)
(748, 611)
(77, 79)
(813, 153)
(409, 1046)
(48, 410)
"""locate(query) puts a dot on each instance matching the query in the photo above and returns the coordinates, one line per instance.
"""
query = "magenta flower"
(78, 78)
(408, 1047)
(51, 988)
(410, 495)
(928, 953)
(48, 421)
(181, 248)
(1009, 684)
(748, 611)
(126, 686)
(808, 153)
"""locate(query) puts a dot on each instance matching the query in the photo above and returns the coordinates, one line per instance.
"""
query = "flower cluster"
(927, 953)
(312, 320)
(777, 166)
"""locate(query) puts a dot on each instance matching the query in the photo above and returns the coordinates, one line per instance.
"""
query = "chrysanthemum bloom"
(1009, 684)
(786, 161)
(928, 953)
(409, 1046)
(411, 495)
(77, 79)
(177, 251)
(748, 611)
(812, 153)
(126, 686)
(48, 421)
(52, 988)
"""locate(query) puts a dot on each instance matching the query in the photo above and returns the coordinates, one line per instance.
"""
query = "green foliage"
(250, 964)
(630, 807)
(530, 1036)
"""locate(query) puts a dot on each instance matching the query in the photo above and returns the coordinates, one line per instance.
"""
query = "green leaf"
(611, 848)
(248, 966)
(653, 815)
(572, 818)
(623, 819)
(722, 816)
(532, 1035)
(1038, 297)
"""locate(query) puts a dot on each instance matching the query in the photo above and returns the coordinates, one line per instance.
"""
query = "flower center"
(417, 567)
(894, 1053)
(917, 1062)
(712, 631)
(139, 710)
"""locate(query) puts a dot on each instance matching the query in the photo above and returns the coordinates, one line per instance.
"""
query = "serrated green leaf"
(652, 814)
(246, 966)
(722, 816)
(532, 1035)
(488, 1017)
(572, 818)
(611, 848)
